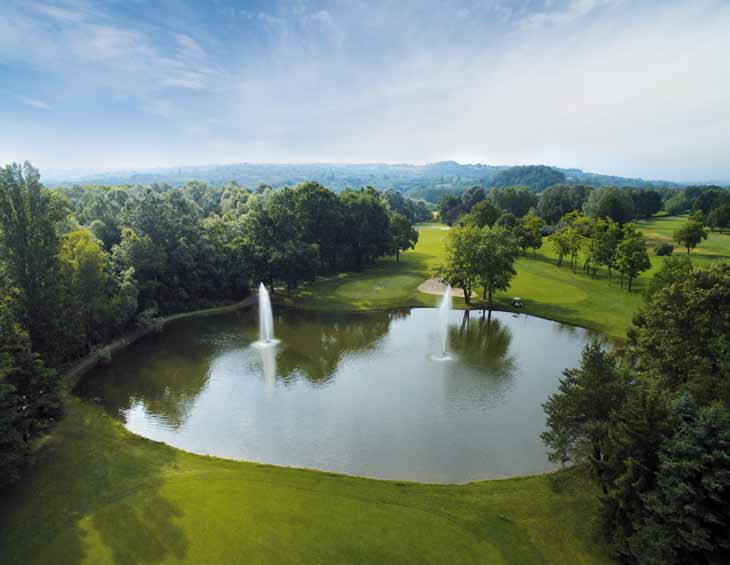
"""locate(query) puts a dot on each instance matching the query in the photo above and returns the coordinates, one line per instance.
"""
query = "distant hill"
(418, 181)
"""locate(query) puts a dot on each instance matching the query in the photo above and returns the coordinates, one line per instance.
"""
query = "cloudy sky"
(612, 86)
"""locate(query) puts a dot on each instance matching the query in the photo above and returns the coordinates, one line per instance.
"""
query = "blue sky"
(614, 86)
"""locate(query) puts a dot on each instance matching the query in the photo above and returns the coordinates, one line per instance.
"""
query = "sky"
(633, 88)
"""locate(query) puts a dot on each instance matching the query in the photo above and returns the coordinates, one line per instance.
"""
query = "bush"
(664, 249)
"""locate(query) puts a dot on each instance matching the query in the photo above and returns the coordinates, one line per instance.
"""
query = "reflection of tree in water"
(484, 345)
(164, 374)
(315, 343)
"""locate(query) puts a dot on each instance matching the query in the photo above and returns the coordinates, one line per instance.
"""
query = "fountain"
(266, 320)
(443, 325)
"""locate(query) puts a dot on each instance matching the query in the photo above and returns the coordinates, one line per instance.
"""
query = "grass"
(548, 291)
(99, 494)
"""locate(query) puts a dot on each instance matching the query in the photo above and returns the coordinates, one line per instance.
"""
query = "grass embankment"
(547, 290)
(102, 495)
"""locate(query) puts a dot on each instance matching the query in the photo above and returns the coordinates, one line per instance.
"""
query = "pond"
(354, 393)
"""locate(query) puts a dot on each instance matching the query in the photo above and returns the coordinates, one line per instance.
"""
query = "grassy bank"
(547, 290)
(103, 495)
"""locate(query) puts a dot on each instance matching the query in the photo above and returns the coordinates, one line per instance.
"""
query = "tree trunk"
(397, 255)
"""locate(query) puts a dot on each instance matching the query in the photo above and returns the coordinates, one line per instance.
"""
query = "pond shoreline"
(73, 373)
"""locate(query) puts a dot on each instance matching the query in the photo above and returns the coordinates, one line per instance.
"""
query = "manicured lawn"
(547, 290)
(102, 495)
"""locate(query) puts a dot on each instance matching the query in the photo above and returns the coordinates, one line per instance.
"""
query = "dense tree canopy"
(654, 422)
(536, 177)
(559, 200)
(610, 202)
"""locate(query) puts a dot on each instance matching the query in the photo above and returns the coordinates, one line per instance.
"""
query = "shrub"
(664, 249)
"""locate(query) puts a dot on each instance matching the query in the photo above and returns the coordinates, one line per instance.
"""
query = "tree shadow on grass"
(96, 491)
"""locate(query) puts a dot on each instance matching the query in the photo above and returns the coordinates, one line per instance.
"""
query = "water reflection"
(483, 342)
(268, 367)
(316, 343)
(353, 393)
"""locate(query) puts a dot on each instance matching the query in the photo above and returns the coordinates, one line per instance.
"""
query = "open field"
(547, 291)
(102, 495)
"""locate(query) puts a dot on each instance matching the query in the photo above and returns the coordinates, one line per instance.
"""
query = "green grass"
(547, 290)
(100, 494)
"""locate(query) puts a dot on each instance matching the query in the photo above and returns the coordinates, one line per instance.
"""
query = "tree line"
(481, 249)
(651, 420)
(621, 204)
(80, 266)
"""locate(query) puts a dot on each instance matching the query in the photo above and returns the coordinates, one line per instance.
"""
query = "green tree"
(514, 199)
(472, 196)
(631, 255)
(30, 394)
(580, 413)
(484, 213)
(29, 249)
(607, 235)
(647, 202)
(561, 244)
(682, 335)
(559, 200)
(405, 236)
(320, 214)
(674, 269)
(368, 227)
(610, 202)
(463, 254)
(690, 234)
(498, 250)
(677, 204)
(530, 233)
(86, 267)
(687, 515)
(720, 218)
(637, 430)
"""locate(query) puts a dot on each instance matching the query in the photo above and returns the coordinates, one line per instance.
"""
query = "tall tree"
(687, 515)
(29, 248)
(690, 234)
(405, 236)
(631, 255)
(463, 255)
(580, 413)
(529, 234)
(497, 253)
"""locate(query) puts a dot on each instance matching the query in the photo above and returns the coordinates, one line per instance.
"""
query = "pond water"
(354, 393)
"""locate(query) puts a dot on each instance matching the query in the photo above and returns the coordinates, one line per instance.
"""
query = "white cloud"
(578, 83)
(575, 10)
(34, 103)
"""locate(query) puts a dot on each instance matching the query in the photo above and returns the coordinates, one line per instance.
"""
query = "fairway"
(547, 291)
(102, 495)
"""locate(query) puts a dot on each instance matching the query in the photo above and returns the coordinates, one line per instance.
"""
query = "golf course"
(98, 493)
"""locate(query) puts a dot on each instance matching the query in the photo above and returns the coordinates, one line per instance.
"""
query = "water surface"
(352, 393)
